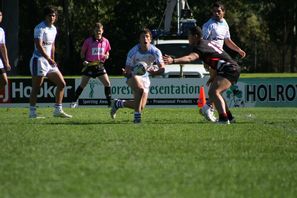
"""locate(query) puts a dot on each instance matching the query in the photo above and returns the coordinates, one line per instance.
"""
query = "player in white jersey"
(142, 52)
(4, 62)
(42, 63)
(216, 29)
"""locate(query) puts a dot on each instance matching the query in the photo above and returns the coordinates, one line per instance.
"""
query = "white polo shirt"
(47, 35)
(216, 31)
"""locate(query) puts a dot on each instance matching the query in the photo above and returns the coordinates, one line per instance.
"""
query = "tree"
(266, 29)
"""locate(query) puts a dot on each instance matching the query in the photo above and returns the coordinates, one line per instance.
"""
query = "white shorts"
(146, 83)
(1, 64)
(39, 66)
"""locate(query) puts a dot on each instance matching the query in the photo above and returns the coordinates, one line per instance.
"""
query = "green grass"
(173, 153)
(268, 75)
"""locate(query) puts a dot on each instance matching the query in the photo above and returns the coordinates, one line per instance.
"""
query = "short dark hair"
(196, 30)
(145, 31)
(219, 4)
(98, 25)
(49, 10)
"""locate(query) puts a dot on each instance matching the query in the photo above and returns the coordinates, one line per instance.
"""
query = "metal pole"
(181, 71)
(178, 17)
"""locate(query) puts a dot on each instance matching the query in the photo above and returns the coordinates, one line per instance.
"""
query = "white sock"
(58, 107)
(120, 103)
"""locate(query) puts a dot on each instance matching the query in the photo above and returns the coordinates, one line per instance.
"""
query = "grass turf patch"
(173, 153)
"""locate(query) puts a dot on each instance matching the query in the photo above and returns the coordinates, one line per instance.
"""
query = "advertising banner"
(248, 92)
(267, 92)
(163, 91)
(18, 92)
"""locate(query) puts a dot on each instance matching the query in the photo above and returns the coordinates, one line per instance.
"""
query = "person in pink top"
(94, 52)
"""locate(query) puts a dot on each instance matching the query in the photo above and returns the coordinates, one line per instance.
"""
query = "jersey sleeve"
(108, 47)
(159, 57)
(227, 35)
(206, 31)
(129, 60)
(38, 33)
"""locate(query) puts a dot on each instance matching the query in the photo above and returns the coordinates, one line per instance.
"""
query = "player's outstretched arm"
(184, 59)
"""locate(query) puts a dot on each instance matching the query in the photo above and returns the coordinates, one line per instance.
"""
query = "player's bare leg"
(139, 102)
(229, 114)
(84, 81)
(218, 86)
(36, 84)
(3, 79)
(79, 90)
(58, 80)
(137, 86)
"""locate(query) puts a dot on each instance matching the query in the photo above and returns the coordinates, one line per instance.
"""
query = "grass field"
(173, 153)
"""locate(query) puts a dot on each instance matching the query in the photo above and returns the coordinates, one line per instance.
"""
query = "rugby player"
(223, 70)
(43, 64)
(140, 84)
(216, 29)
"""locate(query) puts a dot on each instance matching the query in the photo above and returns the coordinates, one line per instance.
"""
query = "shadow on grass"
(145, 121)
(112, 122)
(130, 122)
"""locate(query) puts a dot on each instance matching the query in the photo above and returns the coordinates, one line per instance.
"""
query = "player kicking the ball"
(224, 71)
(145, 52)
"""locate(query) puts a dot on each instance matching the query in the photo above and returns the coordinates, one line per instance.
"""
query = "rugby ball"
(140, 68)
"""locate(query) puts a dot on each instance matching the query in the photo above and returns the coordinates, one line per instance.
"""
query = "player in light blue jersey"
(42, 63)
(142, 52)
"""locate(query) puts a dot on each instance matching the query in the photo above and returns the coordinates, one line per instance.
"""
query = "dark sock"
(230, 116)
(77, 93)
(223, 116)
(107, 92)
(137, 116)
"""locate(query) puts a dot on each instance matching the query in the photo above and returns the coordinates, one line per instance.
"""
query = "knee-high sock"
(78, 91)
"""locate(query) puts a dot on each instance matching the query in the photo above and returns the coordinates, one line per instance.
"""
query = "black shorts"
(94, 71)
(231, 71)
